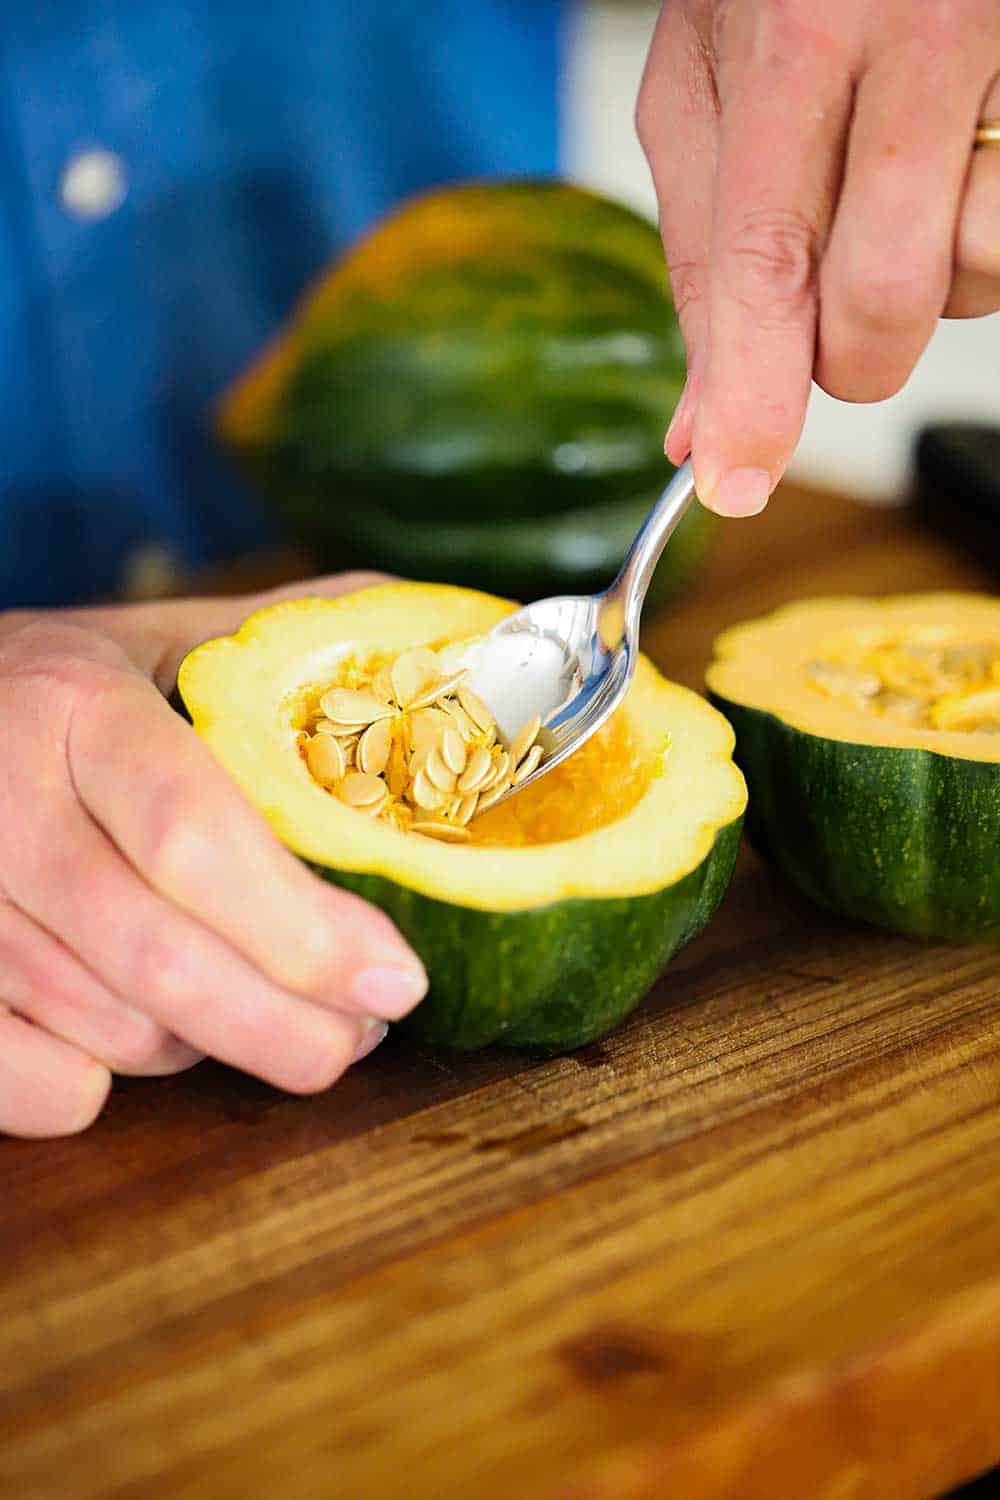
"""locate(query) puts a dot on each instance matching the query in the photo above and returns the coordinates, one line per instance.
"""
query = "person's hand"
(821, 207)
(147, 914)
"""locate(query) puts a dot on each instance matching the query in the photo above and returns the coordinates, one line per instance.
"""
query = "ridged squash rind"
(550, 978)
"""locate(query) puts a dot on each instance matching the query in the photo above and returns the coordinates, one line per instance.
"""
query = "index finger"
(785, 94)
(676, 121)
(150, 783)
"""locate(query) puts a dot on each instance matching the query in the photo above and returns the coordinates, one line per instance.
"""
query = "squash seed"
(411, 674)
(449, 684)
(901, 709)
(353, 709)
(969, 661)
(427, 726)
(373, 809)
(966, 712)
(479, 767)
(524, 739)
(374, 747)
(362, 790)
(499, 769)
(841, 682)
(419, 758)
(453, 751)
(381, 685)
(325, 760)
(476, 709)
(464, 724)
(490, 798)
(434, 828)
(450, 659)
(527, 766)
(436, 690)
(465, 809)
(425, 794)
(439, 773)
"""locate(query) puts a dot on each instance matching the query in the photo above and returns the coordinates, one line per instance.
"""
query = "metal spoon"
(570, 660)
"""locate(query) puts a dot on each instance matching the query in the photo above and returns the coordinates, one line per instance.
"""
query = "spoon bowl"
(570, 659)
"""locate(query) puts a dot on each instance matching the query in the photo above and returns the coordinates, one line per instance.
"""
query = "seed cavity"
(917, 684)
(411, 743)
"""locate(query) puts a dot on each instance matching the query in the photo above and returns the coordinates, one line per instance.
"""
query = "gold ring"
(987, 134)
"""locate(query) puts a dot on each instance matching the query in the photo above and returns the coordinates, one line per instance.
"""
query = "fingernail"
(387, 991)
(375, 1031)
(740, 492)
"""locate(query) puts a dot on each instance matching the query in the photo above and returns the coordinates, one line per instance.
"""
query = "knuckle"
(50, 678)
(33, 640)
(686, 286)
(775, 257)
(30, 631)
(315, 967)
(792, 19)
(933, 28)
(164, 975)
(176, 852)
(334, 931)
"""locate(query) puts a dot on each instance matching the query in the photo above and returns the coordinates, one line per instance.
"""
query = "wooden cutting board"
(749, 1246)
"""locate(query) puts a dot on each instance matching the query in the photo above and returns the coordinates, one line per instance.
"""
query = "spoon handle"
(621, 605)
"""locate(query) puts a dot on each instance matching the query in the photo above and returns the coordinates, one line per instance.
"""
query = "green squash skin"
(899, 838)
(550, 979)
(539, 386)
(577, 552)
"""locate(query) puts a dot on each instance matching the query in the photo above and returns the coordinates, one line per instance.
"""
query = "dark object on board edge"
(957, 481)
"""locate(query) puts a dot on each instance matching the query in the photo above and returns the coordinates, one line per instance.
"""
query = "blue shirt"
(254, 139)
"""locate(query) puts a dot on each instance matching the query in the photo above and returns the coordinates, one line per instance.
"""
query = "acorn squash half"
(476, 393)
(552, 923)
(869, 734)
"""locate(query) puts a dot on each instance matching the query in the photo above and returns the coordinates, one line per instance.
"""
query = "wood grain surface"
(749, 1246)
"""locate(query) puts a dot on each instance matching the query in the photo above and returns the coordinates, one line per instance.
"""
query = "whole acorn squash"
(552, 923)
(477, 393)
(869, 734)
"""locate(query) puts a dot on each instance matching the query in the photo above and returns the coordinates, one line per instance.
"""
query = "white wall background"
(862, 449)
